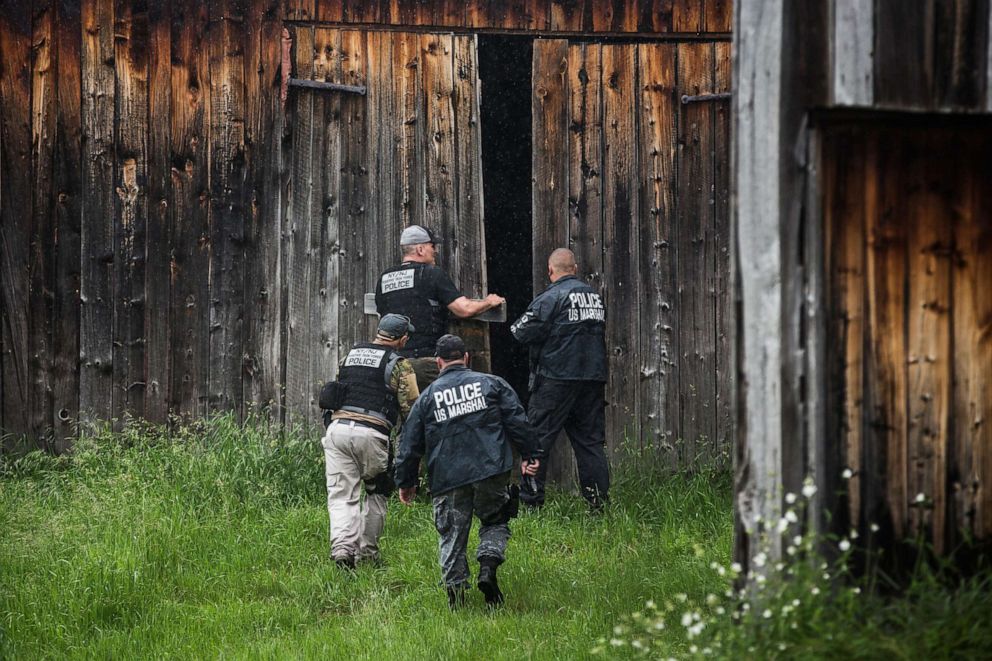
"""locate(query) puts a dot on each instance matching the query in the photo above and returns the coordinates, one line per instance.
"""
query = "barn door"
(365, 166)
(635, 181)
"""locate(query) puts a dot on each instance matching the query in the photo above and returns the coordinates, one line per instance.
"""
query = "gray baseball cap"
(415, 234)
(395, 326)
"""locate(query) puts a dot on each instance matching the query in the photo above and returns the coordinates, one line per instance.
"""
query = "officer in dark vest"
(373, 393)
(418, 289)
(465, 423)
(564, 328)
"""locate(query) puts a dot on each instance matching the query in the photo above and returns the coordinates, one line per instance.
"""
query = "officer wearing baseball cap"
(374, 392)
(465, 423)
(417, 288)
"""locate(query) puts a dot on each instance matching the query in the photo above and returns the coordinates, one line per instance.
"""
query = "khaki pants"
(352, 454)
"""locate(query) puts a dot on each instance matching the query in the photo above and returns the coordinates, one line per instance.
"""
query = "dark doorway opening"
(505, 70)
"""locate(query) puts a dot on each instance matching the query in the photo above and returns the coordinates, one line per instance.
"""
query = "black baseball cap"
(450, 347)
(395, 326)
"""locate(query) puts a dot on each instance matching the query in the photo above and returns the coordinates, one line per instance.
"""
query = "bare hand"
(494, 300)
(407, 495)
(529, 466)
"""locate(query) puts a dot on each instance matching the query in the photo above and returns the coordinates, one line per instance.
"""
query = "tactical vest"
(404, 292)
(366, 372)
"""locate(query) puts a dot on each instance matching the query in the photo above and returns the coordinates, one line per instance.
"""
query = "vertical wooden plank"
(438, 85)
(68, 189)
(449, 13)
(381, 225)
(884, 491)
(158, 232)
(722, 249)
(988, 63)
(226, 209)
(363, 11)
(96, 349)
(354, 193)
(614, 16)
(476, 13)
(410, 153)
(550, 131)
(585, 161)
(695, 246)
(471, 246)
(326, 216)
(520, 14)
(298, 251)
(972, 340)
(131, 205)
(852, 46)
(929, 348)
(904, 53)
(658, 352)
(961, 44)
(301, 10)
(331, 11)
(656, 16)
(42, 237)
(718, 15)
(687, 16)
(190, 101)
(263, 135)
(845, 208)
(15, 204)
(566, 15)
(621, 215)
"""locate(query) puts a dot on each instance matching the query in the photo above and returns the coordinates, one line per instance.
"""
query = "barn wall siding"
(160, 259)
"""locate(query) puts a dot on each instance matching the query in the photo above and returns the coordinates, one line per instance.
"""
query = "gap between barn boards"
(577, 37)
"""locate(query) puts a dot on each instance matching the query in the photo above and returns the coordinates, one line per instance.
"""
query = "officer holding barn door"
(417, 288)
(564, 329)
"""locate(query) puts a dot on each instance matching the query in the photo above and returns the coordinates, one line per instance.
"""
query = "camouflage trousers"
(453, 512)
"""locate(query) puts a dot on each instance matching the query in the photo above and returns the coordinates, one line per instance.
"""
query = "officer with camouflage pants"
(465, 423)
(378, 388)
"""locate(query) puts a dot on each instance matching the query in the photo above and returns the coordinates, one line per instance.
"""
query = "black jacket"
(565, 327)
(464, 423)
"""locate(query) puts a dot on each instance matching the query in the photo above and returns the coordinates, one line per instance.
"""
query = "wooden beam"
(853, 31)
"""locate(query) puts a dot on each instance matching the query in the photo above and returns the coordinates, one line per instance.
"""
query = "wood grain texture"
(550, 130)
(961, 46)
(688, 15)
(655, 16)
(568, 15)
(696, 257)
(131, 206)
(301, 10)
(436, 54)
(658, 351)
(929, 349)
(189, 122)
(852, 46)
(42, 229)
(904, 53)
(718, 15)
(97, 234)
(972, 340)
(885, 456)
(621, 244)
(408, 94)
(298, 301)
(265, 121)
(585, 161)
(726, 373)
(158, 235)
(68, 209)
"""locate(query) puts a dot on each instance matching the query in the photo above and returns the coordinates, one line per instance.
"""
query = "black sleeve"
(443, 287)
(522, 435)
(412, 447)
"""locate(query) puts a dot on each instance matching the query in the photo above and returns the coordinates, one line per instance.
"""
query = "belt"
(362, 423)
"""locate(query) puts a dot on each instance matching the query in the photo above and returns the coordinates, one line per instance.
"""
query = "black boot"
(487, 581)
(456, 596)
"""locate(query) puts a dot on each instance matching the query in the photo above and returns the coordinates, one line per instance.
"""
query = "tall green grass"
(212, 541)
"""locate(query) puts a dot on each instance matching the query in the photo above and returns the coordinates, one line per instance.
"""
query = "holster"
(332, 395)
(383, 484)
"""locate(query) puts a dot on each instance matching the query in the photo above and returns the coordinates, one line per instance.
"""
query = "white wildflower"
(781, 647)
(687, 620)
(809, 489)
(796, 602)
(767, 614)
(682, 597)
(637, 645)
(760, 559)
(618, 630)
(659, 625)
(782, 525)
(711, 599)
(920, 498)
(791, 516)
(847, 474)
(844, 545)
(815, 591)
(720, 610)
(874, 527)
(779, 566)
(854, 534)
(721, 571)
(790, 498)
(693, 649)
(791, 550)
(798, 540)
(616, 642)
(856, 590)
(735, 567)
(650, 605)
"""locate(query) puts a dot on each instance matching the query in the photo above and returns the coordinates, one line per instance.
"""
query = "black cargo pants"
(578, 407)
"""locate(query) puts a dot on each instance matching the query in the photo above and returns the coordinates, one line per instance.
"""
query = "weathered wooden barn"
(194, 196)
(863, 190)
